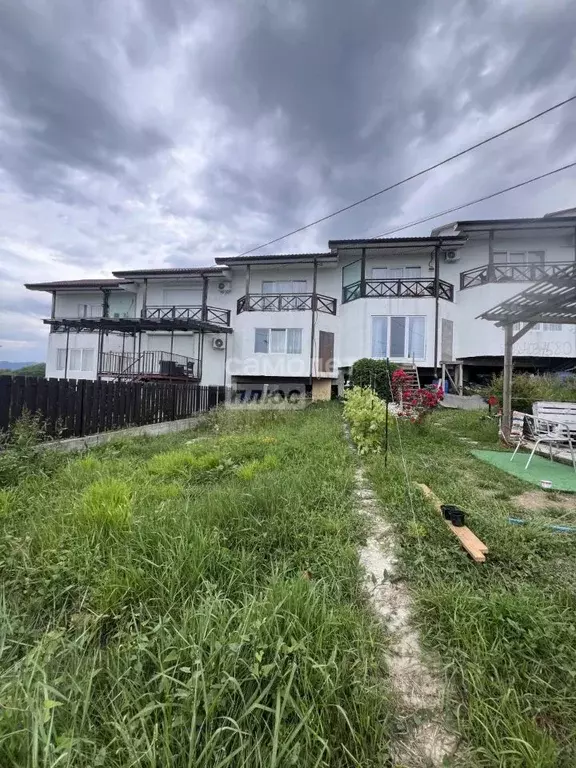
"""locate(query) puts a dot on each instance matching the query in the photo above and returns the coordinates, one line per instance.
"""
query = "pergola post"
(507, 388)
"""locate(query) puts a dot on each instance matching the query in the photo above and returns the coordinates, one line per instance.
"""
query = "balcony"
(401, 288)
(511, 273)
(286, 302)
(149, 366)
(182, 312)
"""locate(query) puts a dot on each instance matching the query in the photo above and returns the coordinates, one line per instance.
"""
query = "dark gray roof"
(545, 222)
(195, 271)
(60, 284)
(273, 257)
(381, 242)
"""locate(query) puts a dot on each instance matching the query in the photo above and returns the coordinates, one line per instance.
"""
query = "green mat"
(562, 477)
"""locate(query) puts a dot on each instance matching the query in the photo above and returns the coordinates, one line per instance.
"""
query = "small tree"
(376, 374)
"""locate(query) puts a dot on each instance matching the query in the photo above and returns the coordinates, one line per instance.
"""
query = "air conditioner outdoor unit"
(451, 256)
(225, 286)
(218, 342)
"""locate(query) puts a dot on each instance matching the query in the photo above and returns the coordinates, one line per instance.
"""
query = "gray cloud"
(153, 133)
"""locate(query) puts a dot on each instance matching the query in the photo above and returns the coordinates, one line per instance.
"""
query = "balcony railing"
(510, 273)
(159, 365)
(184, 312)
(286, 302)
(411, 288)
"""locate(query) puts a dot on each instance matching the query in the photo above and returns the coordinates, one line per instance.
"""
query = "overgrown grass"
(191, 601)
(505, 630)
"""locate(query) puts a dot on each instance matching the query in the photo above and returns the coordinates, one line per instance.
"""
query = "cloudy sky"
(166, 132)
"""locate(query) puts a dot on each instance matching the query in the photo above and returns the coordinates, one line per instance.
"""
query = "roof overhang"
(399, 243)
(550, 301)
(168, 272)
(277, 258)
(78, 285)
(134, 324)
(503, 225)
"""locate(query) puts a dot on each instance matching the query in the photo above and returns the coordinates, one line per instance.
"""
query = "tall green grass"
(190, 603)
(505, 630)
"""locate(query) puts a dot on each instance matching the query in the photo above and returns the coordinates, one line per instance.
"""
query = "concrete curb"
(71, 444)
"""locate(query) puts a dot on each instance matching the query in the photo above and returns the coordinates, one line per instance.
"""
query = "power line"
(479, 200)
(413, 176)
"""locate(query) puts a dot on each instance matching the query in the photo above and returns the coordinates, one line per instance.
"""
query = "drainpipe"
(313, 319)
(436, 305)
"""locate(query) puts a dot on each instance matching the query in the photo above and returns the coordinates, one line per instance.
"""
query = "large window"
(399, 337)
(395, 273)
(518, 257)
(78, 359)
(278, 341)
(89, 310)
(284, 286)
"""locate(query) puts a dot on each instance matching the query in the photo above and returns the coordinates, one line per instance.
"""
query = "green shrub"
(107, 503)
(21, 456)
(366, 414)
(376, 374)
(528, 389)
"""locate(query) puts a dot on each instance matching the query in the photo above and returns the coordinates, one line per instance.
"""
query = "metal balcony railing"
(400, 288)
(511, 273)
(185, 312)
(164, 365)
(286, 302)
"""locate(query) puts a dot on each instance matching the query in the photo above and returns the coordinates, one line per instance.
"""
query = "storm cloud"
(148, 133)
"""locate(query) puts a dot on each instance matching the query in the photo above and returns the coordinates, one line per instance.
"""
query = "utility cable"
(413, 176)
(478, 200)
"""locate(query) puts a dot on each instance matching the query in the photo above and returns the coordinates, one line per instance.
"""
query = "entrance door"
(325, 352)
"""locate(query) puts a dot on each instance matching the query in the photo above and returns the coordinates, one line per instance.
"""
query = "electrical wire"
(413, 176)
(478, 200)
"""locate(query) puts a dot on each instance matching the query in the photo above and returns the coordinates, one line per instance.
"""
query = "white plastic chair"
(543, 431)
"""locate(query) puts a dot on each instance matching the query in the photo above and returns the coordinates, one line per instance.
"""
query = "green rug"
(562, 477)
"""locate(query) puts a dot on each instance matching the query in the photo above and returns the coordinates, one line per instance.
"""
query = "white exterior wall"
(352, 326)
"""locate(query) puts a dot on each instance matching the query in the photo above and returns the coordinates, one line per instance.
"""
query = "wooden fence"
(74, 408)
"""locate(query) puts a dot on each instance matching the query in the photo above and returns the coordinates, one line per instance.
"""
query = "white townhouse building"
(297, 322)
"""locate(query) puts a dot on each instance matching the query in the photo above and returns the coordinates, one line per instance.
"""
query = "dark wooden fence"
(74, 408)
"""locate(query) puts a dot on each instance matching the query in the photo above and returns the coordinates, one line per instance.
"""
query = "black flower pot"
(448, 510)
(457, 517)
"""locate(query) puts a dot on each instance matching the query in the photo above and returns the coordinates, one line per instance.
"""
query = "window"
(278, 340)
(284, 286)
(399, 337)
(351, 273)
(89, 310)
(78, 359)
(518, 257)
(395, 273)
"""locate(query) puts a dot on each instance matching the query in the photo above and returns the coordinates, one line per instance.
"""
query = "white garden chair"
(541, 431)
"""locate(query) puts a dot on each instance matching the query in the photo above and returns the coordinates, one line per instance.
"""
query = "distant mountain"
(23, 369)
(8, 365)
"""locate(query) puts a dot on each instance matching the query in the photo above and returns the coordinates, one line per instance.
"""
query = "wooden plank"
(52, 406)
(471, 543)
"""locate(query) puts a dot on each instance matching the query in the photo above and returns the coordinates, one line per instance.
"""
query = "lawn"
(505, 630)
(190, 601)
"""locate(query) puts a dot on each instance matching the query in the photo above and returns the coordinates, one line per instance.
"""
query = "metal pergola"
(552, 300)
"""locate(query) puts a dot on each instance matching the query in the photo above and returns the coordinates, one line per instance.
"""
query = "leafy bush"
(21, 456)
(366, 414)
(528, 389)
(416, 403)
(375, 374)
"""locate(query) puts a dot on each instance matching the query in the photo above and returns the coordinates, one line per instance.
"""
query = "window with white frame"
(278, 341)
(78, 359)
(395, 273)
(399, 337)
(518, 257)
(284, 286)
(539, 327)
(89, 310)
